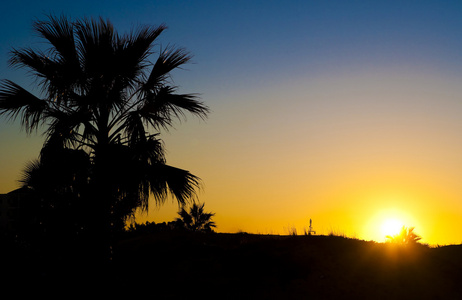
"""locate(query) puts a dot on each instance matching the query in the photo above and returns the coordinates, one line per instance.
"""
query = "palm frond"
(162, 107)
(59, 79)
(134, 128)
(64, 125)
(59, 31)
(133, 50)
(168, 60)
(150, 151)
(189, 102)
(30, 174)
(15, 101)
(96, 39)
(35, 60)
(181, 184)
(185, 218)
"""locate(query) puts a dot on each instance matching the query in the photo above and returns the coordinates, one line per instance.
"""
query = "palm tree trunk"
(103, 235)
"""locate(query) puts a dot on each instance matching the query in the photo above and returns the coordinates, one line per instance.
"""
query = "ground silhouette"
(178, 265)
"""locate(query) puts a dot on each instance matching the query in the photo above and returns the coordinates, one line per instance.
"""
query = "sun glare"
(388, 221)
(391, 227)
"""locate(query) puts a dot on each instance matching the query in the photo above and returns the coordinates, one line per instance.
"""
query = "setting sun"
(391, 227)
(388, 221)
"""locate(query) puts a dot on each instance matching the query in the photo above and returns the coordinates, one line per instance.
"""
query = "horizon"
(346, 114)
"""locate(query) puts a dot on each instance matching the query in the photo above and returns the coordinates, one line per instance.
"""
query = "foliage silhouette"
(102, 98)
(407, 236)
(59, 178)
(150, 227)
(291, 230)
(196, 219)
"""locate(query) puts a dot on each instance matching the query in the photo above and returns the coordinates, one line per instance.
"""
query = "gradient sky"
(345, 112)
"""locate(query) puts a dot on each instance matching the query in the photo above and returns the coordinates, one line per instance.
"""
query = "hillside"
(244, 266)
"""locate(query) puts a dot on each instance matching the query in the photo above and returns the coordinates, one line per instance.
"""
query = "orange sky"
(370, 152)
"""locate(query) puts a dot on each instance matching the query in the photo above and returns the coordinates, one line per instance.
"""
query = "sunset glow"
(348, 114)
(391, 227)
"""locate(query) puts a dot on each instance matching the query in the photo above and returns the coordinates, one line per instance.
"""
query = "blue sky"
(315, 105)
(240, 42)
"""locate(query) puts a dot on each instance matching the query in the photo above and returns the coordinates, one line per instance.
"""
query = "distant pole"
(311, 231)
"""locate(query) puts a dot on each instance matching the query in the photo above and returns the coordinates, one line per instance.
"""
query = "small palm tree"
(407, 236)
(196, 219)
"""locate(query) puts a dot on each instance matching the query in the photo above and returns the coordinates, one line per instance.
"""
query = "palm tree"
(407, 236)
(101, 94)
(196, 219)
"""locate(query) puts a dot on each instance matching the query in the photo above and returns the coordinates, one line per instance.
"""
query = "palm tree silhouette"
(101, 94)
(196, 219)
(59, 179)
(407, 236)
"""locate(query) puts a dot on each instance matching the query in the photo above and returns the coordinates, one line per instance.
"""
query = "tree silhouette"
(100, 94)
(59, 179)
(407, 236)
(196, 219)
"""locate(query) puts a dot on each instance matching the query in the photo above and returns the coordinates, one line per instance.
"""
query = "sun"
(391, 227)
(388, 221)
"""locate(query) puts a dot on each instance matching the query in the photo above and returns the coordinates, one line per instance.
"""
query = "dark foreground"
(242, 266)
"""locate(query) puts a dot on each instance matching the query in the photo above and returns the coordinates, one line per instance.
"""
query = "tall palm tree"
(101, 94)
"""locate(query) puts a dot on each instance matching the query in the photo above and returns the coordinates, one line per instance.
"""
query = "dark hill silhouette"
(179, 265)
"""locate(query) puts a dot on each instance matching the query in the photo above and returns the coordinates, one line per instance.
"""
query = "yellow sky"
(347, 152)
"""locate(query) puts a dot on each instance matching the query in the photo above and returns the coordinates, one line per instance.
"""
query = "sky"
(347, 113)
